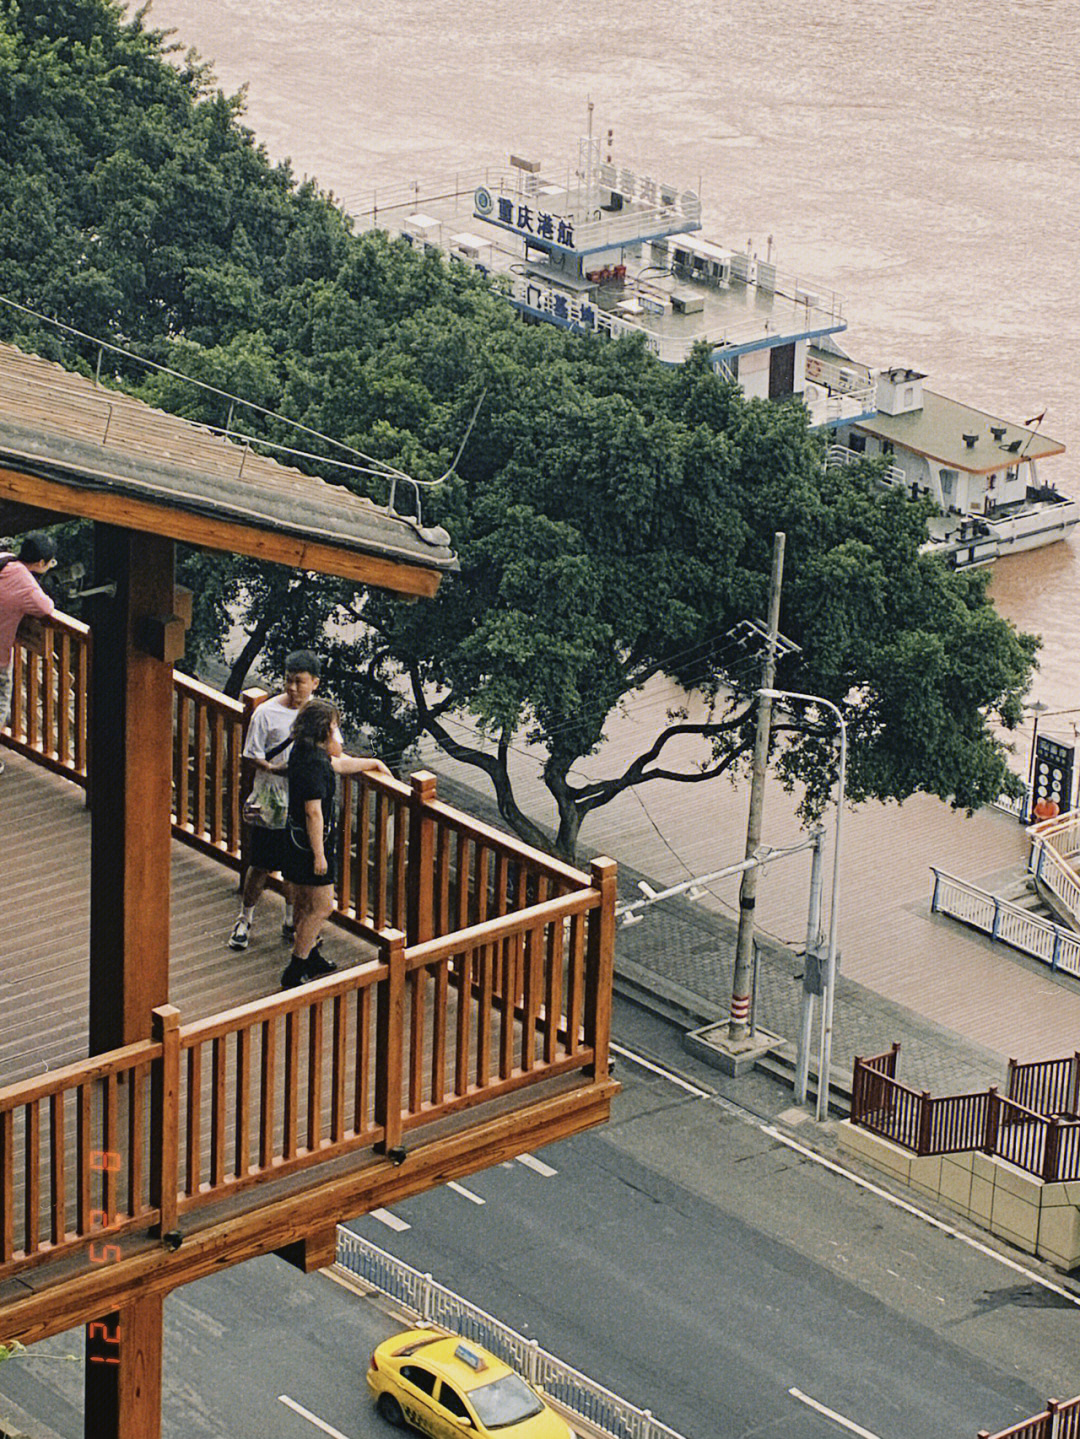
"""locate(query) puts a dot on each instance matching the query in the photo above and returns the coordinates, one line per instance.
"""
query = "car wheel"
(390, 1410)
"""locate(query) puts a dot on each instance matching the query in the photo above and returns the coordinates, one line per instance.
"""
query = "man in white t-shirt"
(266, 751)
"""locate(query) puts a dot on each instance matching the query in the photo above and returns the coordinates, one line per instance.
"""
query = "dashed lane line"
(748, 1116)
(848, 1424)
(391, 1221)
(465, 1193)
(311, 1418)
(537, 1166)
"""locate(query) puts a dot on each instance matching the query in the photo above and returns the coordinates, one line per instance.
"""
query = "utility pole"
(744, 944)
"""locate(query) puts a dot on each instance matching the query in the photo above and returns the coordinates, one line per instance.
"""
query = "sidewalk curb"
(663, 997)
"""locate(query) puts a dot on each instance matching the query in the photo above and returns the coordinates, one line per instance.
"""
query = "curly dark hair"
(315, 723)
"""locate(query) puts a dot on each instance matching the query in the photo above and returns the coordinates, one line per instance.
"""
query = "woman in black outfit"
(314, 761)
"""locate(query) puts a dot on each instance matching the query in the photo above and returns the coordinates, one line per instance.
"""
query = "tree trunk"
(234, 685)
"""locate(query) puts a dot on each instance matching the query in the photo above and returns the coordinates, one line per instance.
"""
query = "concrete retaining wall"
(1041, 1219)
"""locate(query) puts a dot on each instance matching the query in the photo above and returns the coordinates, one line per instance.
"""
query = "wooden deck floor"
(45, 921)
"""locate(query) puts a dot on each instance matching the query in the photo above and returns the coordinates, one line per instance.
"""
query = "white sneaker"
(239, 937)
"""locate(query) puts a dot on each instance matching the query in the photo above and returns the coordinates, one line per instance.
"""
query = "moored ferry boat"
(608, 251)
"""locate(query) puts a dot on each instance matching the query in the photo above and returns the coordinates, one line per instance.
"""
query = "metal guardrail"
(432, 1303)
(1052, 943)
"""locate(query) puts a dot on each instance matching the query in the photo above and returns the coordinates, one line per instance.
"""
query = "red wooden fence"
(1046, 1145)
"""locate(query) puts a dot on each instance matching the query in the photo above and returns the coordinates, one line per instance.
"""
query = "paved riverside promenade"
(959, 1004)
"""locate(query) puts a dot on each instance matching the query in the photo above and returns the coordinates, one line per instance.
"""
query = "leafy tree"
(613, 518)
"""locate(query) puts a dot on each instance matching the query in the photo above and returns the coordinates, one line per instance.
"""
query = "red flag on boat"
(1037, 420)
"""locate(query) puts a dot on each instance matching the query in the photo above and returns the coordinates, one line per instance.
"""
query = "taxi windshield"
(504, 1401)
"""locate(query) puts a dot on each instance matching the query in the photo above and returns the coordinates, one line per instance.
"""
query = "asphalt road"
(684, 1256)
(698, 1266)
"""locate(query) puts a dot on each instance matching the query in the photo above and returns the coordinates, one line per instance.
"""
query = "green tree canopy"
(614, 518)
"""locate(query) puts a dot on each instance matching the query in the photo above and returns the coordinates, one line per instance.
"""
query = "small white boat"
(981, 471)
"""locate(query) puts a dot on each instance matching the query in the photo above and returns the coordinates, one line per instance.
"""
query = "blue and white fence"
(1030, 933)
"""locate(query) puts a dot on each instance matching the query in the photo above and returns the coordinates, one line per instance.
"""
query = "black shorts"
(267, 849)
(298, 863)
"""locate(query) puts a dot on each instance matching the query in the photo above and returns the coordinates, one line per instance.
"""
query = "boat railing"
(841, 455)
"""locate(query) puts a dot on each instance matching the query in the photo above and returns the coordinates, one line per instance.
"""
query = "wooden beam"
(259, 540)
(94, 1290)
(314, 1251)
(16, 519)
(130, 783)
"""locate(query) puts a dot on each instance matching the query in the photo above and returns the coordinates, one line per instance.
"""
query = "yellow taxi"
(448, 1387)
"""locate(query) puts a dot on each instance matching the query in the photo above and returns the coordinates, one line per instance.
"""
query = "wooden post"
(858, 1073)
(131, 745)
(600, 965)
(389, 1038)
(993, 1120)
(123, 1372)
(164, 1117)
(1052, 1150)
(926, 1111)
(130, 742)
(420, 880)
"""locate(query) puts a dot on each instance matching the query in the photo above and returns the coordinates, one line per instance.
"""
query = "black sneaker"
(317, 965)
(240, 932)
(295, 973)
(288, 931)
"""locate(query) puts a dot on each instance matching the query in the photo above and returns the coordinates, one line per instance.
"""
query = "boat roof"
(937, 431)
(72, 447)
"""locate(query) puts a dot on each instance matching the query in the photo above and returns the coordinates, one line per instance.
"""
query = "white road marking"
(465, 1193)
(312, 1418)
(538, 1166)
(847, 1424)
(391, 1221)
(781, 1138)
(667, 1074)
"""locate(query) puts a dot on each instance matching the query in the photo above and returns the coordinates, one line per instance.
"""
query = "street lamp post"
(825, 1059)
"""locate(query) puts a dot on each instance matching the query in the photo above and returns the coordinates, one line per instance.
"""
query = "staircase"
(1053, 866)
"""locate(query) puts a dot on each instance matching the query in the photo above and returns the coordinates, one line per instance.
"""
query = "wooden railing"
(493, 975)
(1057, 1421)
(49, 698)
(1049, 1086)
(466, 871)
(1044, 1144)
(64, 1185)
(140, 1136)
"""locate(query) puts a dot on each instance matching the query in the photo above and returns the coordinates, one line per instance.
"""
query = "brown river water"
(919, 159)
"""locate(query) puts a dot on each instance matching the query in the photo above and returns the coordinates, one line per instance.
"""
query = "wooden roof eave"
(211, 522)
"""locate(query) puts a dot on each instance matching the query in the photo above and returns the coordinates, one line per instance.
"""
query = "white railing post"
(532, 1360)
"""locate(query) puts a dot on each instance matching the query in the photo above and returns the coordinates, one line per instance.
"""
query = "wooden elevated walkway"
(45, 920)
(469, 1021)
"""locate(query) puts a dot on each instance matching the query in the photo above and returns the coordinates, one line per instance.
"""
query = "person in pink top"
(21, 595)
